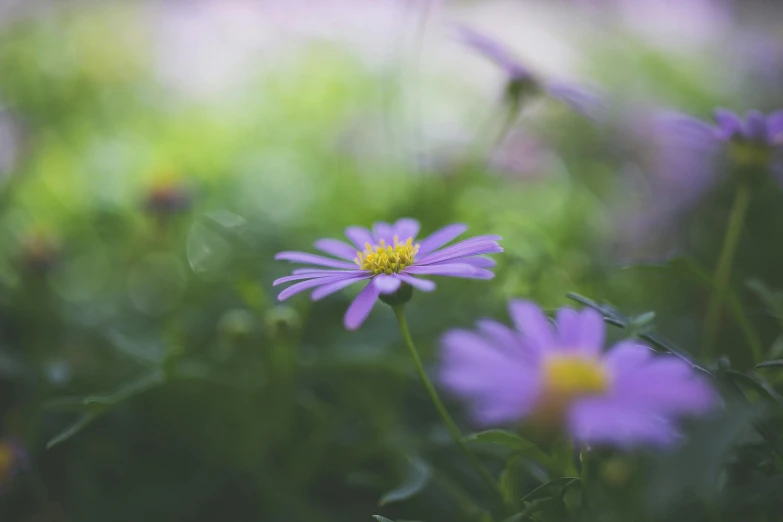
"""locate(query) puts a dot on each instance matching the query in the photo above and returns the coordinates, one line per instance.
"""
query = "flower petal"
(312, 259)
(386, 284)
(453, 270)
(580, 99)
(440, 237)
(600, 420)
(329, 289)
(627, 355)
(336, 248)
(383, 231)
(419, 284)
(304, 285)
(755, 126)
(729, 124)
(534, 325)
(465, 248)
(361, 307)
(494, 51)
(775, 128)
(359, 236)
(581, 331)
(479, 262)
(325, 273)
(406, 228)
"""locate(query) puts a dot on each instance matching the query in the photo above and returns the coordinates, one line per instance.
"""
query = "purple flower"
(522, 81)
(559, 378)
(13, 459)
(389, 257)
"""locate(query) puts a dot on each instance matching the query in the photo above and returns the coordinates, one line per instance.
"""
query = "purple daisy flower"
(389, 257)
(522, 81)
(559, 378)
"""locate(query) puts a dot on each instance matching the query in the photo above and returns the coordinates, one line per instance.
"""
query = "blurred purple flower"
(13, 459)
(559, 378)
(523, 82)
(389, 257)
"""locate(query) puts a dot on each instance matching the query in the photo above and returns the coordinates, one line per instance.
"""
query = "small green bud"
(403, 294)
(282, 321)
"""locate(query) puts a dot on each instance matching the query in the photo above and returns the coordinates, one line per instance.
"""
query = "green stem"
(399, 312)
(723, 271)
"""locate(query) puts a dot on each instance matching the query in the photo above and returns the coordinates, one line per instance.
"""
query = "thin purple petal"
(386, 284)
(440, 237)
(329, 289)
(312, 259)
(494, 51)
(336, 248)
(534, 325)
(580, 99)
(462, 249)
(406, 228)
(361, 307)
(479, 262)
(359, 236)
(305, 285)
(581, 331)
(755, 126)
(775, 128)
(729, 124)
(599, 420)
(383, 231)
(420, 284)
(453, 270)
(626, 356)
(322, 271)
(325, 273)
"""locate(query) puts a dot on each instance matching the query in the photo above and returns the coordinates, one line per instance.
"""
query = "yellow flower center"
(565, 378)
(387, 259)
(574, 376)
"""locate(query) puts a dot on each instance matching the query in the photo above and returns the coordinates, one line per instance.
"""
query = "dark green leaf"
(419, 475)
(144, 383)
(541, 490)
(764, 389)
(80, 423)
(382, 519)
(771, 364)
(502, 437)
(534, 507)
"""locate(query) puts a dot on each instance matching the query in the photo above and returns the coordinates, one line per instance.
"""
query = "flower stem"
(399, 312)
(723, 271)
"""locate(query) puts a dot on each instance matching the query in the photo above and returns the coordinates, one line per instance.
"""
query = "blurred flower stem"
(399, 312)
(723, 271)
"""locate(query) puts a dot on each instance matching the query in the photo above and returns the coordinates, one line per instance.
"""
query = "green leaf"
(80, 423)
(541, 490)
(144, 383)
(532, 508)
(771, 364)
(764, 389)
(382, 519)
(419, 475)
(502, 437)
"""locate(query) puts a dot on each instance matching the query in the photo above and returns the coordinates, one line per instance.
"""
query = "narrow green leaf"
(763, 388)
(541, 490)
(382, 519)
(502, 437)
(771, 364)
(140, 385)
(533, 508)
(144, 383)
(419, 475)
(80, 423)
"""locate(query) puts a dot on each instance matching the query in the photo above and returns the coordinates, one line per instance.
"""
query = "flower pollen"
(572, 376)
(387, 259)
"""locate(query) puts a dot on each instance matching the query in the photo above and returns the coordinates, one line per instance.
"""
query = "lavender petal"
(304, 285)
(419, 284)
(582, 331)
(383, 232)
(440, 237)
(453, 270)
(755, 126)
(603, 421)
(326, 273)
(336, 248)
(729, 124)
(386, 284)
(312, 259)
(534, 325)
(406, 228)
(361, 307)
(359, 236)
(329, 289)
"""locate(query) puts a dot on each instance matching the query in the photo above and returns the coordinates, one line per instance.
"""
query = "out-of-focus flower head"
(40, 251)
(167, 195)
(559, 378)
(391, 258)
(523, 83)
(13, 459)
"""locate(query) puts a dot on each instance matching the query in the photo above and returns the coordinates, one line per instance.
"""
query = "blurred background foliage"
(154, 157)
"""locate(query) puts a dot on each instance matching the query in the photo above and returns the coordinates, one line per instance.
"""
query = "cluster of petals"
(432, 258)
(505, 376)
